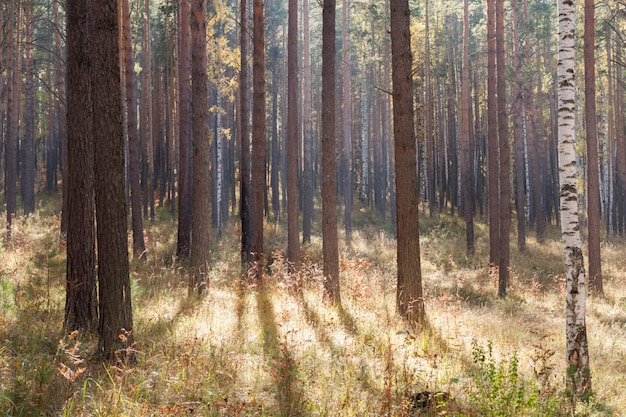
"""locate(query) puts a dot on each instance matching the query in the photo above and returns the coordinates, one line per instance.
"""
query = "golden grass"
(276, 349)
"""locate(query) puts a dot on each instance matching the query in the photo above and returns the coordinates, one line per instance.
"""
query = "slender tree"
(329, 180)
(201, 178)
(518, 133)
(28, 150)
(578, 373)
(307, 137)
(504, 154)
(184, 133)
(466, 151)
(130, 87)
(409, 300)
(293, 233)
(492, 140)
(116, 321)
(244, 135)
(258, 141)
(81, 301)
(593, 174)
(346, 154)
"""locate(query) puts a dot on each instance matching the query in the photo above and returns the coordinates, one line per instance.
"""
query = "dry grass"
(276, 349)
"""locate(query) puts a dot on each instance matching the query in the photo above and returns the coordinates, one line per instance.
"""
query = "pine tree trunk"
(244, 136)
(578, 373)
(201, 178)
(81, 296)
(346, 155)
(505, 155)
(409, 300)
(593, 175)
(518, 134)
(293, 232)
(466, 150)
(258, 186)
(28, 141)
(307, 137)
(329, 180)
(116, 322)
(130, 87)
(184, 133)
(493, 164)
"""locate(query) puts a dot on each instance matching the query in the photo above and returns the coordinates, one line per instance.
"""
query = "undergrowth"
(275, 349)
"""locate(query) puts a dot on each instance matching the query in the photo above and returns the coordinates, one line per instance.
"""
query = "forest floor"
(275, 349)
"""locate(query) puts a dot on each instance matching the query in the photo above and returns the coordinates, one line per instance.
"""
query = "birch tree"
(578, 375)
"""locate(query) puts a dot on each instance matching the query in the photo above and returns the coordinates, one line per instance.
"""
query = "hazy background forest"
(273, 333)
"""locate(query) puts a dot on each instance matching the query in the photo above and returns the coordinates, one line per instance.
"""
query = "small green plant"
(498, 388)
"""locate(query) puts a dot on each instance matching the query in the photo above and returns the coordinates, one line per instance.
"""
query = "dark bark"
(28, 140)
(593, 180)
(466, 149)
(307, 137)
(329, 180)
(255, 256)
(116, 322)
(244, 135)
(201, 178)
(293, 232)
(346, 154)
(184, 133)
(80, 297)
(504, 154)
(492, 140)
(409, 300)
(518, 134)
(139, 247)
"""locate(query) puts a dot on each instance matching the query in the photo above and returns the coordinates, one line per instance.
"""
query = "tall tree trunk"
(329, 180)
(139, 247)
(184, 133)
(81, 295)
(307, 137)
(28, 141)
(429, 118)
(116, 321)
(466, 150)
(409, 300)
(244, 135)
(293, 232)
(492, 140)
(274, 65)
(147, 136)
(11, 143)
(258, 142)
(578, 373)
(518, 134)
(593, 175)
(505, 156)
(346, 154)
(201, 178)
(59, 81)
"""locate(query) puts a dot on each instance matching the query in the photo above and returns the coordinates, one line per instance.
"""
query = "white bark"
(578, 380)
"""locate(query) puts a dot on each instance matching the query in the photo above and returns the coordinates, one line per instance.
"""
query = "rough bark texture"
(409, 300)
(244, 138)
(139, 247)
(11, 143)
(492, 140)
(184, 133)
(466, 151)
(113, 270)
(80, 297)
(518, 133)
(258, 140)
(293, 235)
(329, 180)
(578, 374)
(593, 174)
(346, 154)
(429, 119)
(307, 137)
(505, 154)
(28, 140)
(201, 178)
